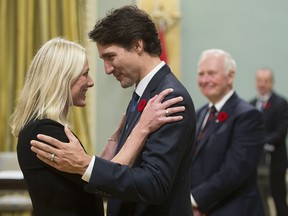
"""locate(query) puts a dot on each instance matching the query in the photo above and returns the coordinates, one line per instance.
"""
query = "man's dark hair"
(124, 26)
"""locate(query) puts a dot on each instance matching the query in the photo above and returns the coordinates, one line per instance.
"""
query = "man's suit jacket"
(275, 117)
(225, 161)
(159, 182)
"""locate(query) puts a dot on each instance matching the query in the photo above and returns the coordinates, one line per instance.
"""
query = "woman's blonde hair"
(47, 89)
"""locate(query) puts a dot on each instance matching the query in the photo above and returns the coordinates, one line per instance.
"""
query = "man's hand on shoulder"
(68, 157)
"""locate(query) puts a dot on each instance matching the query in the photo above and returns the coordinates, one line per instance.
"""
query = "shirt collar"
(265, 97)
(221, 103)
(145, 81)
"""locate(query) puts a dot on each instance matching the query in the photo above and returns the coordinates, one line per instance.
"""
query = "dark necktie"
(210, 119)
(132, 106)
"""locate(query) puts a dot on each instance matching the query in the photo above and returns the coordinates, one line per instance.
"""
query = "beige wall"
(169, 12)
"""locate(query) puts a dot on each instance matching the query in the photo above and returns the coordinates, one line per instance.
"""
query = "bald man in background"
(274, 110)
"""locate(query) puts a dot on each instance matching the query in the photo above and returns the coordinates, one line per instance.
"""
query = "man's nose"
(108, 68)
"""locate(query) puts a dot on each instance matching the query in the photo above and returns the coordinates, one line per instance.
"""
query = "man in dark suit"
(158, 184)
(229, 144)
(275, 116)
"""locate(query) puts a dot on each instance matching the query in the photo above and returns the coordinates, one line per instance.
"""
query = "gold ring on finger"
(52, 158)
(167, 114)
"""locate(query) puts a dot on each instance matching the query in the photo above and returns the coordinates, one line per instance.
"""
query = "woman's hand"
(154, 116)
(156, 113)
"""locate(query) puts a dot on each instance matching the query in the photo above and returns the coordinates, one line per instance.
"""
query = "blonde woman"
(58, 78)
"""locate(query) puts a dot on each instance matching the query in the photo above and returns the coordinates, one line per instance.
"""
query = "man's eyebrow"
(106, 55)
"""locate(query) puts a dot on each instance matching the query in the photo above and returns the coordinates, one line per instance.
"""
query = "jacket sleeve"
(151, 180)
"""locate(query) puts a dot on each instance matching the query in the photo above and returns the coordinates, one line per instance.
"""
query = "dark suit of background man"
(159, 182)
(275, 116)
(227, 151)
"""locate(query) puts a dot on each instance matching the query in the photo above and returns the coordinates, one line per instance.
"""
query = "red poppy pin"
(142, 105)
(267, 105)
(222, 116)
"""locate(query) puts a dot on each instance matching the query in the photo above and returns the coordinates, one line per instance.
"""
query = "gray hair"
(230, 63)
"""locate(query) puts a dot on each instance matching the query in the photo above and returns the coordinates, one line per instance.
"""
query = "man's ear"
(231, 75)
(138, 45)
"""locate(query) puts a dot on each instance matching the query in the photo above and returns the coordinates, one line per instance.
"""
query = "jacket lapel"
(269, 102)
(228, 108)
(200, 118)
(147, 94)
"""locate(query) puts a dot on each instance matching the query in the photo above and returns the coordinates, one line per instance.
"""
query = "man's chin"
(125, 85)
(208, 95)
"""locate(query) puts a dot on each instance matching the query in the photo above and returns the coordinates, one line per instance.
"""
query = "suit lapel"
(201, 115)
(228, 108)
(209, 133)
(269, 102)
(147, 94)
